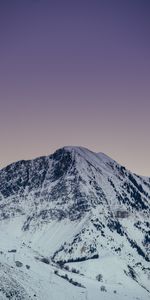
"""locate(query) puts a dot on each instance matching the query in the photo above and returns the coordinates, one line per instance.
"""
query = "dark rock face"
(15, 178)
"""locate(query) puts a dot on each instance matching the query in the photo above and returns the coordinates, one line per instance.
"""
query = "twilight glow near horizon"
(75, 73)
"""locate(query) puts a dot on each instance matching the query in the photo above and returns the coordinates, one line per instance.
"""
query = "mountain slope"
(80, 209)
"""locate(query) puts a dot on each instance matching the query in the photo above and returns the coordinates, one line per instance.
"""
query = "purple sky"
(75, 73)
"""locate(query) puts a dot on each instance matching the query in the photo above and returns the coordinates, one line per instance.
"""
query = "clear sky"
(75, 73)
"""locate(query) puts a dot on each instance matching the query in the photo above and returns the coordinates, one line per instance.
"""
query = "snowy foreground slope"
(74, 225)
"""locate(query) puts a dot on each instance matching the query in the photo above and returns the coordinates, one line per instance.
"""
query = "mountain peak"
(97, 159)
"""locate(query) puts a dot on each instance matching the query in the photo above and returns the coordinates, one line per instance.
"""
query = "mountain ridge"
(102, 154)
(79, 208)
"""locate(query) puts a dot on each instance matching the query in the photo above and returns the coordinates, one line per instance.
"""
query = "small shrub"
(45, 260)
(61, 264)
(66, 276)
(66, 268)
(27, 267)
(99, 277)
(73, 270)
(103, 288)
(18, 264)
(12, 251)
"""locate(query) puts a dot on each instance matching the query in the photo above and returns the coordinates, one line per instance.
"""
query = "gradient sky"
(75, 73)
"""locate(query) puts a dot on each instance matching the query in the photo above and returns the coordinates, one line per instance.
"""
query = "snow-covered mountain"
(74, 225)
